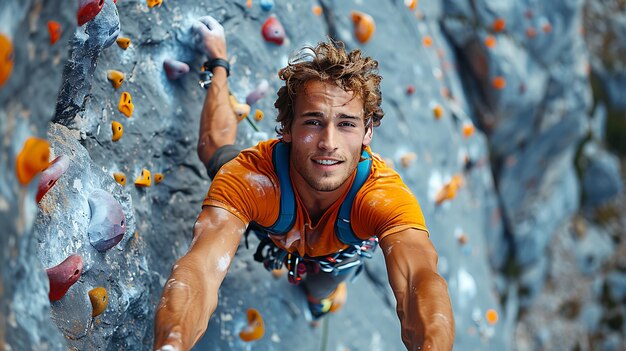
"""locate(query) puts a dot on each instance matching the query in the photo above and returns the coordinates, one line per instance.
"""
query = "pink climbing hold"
(88, 10)
(63, 276)
(51, 174)
(107, 224)
(273, 31)
(175, 69)
(258, 93)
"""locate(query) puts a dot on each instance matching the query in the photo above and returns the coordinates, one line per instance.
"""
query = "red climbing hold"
(88, 10)
(273, 31)
(175, 69)
(54, 28)
(51, 174)
(63, 276)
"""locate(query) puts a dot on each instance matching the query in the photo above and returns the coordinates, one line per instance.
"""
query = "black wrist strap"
(212, 63)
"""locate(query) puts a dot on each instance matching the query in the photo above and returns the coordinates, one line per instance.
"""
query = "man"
(326, 110)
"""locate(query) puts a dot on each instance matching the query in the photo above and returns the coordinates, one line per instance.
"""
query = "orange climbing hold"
(118, 131)
(54, 28)
(490, 41)
(531, 32)
(499, 24)
(126, 104)
(468, 130)
(364, 26)
(407, 158)
(99, 300)
(120, 178)
(448, 191)
(115, 77)
(6, 58)
(153, 3)
(123, 42)
(547, 27)
(258, 115)
(144, 178)
(317, 10)
(241, 110)
(63, 276)
(158, 177)
(492, 316)
(249, 4)
(498, 82)
(438, 111)
(427, 41)
(34, 158)
(410, 4)
(255, 328)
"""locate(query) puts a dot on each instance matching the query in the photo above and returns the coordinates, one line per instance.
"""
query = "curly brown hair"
(329, 62)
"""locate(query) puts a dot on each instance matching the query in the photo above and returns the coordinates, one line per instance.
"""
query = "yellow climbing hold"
(34, 158)
(99, 300)
(126, 104)
(6, 58)
(123, 42)
(490, 41)
(120, 178)
(153, 3)
(410, 4)
(438, 111)
(115, 77)
(118, 131)
(255, 328)
(158, 177)
(258, 115)
(144, 178)
(448, 191)
(241, 110)
(407, 158)
(364, 26)
(468, 130)
(427, 41)
(317, 10)
(492, 316)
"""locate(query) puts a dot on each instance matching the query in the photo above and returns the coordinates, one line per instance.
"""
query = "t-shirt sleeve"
(245, 189)
(386, 206)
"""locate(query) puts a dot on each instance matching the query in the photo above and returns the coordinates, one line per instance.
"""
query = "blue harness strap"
(287, 215)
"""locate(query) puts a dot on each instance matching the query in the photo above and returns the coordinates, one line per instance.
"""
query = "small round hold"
(427, 41)
(364, 26)
(175, 69)
(117, 129)
(317, 10)
(498, 82)
(34, 158)
(144, 179)
(438, 111)
(123, 42)
(258, 115)
(120, 178)
(54, 29)
(267, 5)
(498, 25)
(407, 158)
(492, 316)
(490, 41)
(410, 89)
(6, 58)
(158, 177)
(273, 30)
(99, 300)
(468, 130)
(115, 77)
(410, 4)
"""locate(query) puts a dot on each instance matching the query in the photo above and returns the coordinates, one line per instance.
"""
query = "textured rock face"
(492, 94)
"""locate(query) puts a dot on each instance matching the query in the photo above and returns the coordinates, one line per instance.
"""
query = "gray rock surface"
(528, 97)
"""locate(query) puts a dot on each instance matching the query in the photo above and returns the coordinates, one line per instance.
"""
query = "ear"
(369, 133)
(287, 137)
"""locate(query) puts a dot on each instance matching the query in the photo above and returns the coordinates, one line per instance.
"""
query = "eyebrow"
(321, 115)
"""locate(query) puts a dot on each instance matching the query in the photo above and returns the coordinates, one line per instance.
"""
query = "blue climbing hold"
(108, 224)
(267, 5)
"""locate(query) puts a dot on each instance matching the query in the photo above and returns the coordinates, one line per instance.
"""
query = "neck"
(317, 202)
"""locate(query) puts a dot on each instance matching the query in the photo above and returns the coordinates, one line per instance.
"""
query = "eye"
(312, 122)
(347, 124)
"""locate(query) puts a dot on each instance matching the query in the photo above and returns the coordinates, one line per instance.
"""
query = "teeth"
(326, 162)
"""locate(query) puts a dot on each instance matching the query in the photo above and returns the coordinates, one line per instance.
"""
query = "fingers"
(213, 25)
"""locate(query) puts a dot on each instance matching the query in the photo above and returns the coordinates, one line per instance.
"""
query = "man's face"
(326, 136)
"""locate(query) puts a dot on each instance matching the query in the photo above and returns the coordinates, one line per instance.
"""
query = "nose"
(328, 138)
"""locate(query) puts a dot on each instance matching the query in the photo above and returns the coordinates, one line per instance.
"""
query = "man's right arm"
(190, 295)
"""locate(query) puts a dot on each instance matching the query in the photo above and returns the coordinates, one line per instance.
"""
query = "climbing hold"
(498, 82)
(490, 41)
(126, 104)
(87, 10)
(255, 328)
(364, 26)
(279, 273)
(54, 28)
(461, 238)
(99, 300)
(34, 158)
(410, 89)
(6, 58)
(492, 316)
(175, 69)
(407, 158)
(317, 10)
(448, 191)
(249, 4)
(118, 131)
(144, 178)
(258, 115)
(115, 77)
(547, 27)
(258, 93)
(123, 42)
(158, 177)
(468, 130)
(498, 25)
(273, 31)
(427, 41)
(241, 110)
(531, 32)
(410, 4)
(153, 3)
(63, 276)
(267, 5)
(438, 111)
(107, 224)
(120, 178)
(51, 174)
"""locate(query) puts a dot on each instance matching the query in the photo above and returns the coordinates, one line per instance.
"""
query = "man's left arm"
(423, 302)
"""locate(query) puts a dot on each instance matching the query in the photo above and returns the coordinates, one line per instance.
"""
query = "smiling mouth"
(326, 162)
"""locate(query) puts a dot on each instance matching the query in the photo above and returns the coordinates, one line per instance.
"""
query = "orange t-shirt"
(248, 187)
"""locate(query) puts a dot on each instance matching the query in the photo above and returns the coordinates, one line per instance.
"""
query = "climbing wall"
(102, 183)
